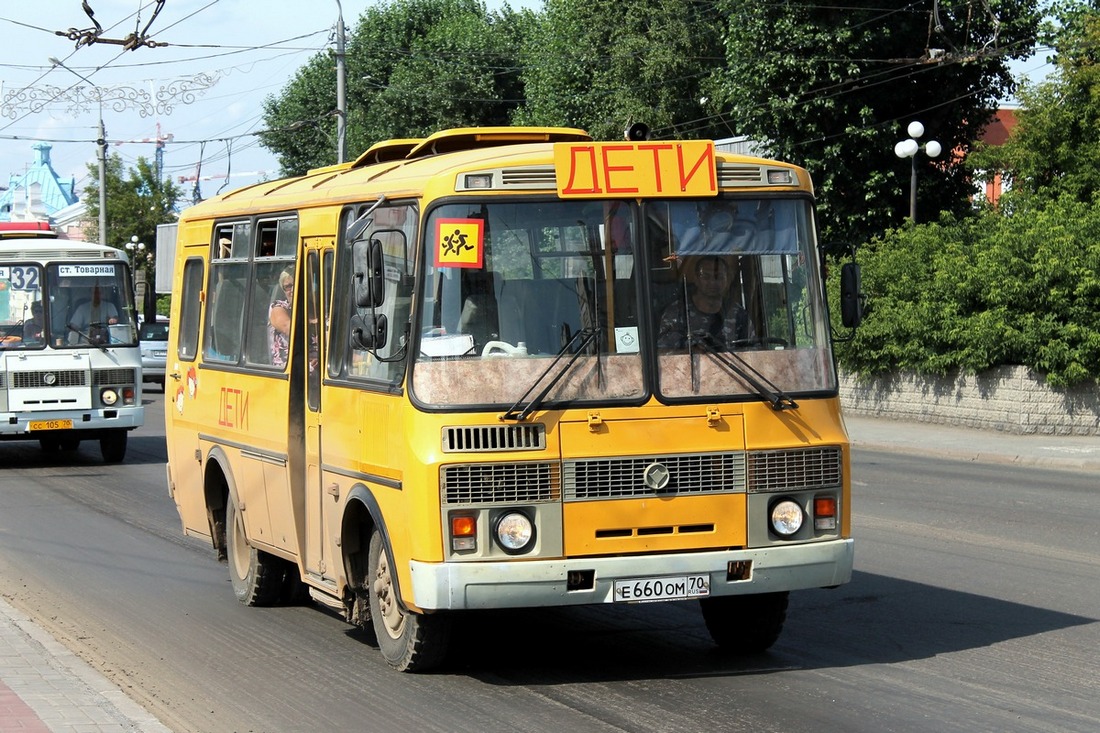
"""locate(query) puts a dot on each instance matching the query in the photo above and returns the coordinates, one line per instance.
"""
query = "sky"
(222, 59)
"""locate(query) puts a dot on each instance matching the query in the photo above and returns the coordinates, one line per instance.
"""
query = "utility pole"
(341, 99)
(102, 179)
(102, 142)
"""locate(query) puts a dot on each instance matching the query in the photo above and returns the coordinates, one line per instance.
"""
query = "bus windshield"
(570, 299)
(66, 305)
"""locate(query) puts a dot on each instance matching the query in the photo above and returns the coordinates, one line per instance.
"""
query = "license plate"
(162, 354)
(643, 590)
(51, 425)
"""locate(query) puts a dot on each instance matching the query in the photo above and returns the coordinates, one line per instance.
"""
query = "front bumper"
(517, 584)
(17, 425)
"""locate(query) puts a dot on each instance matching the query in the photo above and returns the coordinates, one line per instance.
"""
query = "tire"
(745, 624)
(113, 446)
(258, 578)
(293, 592)
(409, 642)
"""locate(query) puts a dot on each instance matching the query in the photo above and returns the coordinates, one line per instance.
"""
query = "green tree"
(413, 67)
(833, 85)
(1054, 150)
(137, 202)
(982, 291)
(603, 64)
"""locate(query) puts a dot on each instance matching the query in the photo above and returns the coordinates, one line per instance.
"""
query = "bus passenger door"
(318, 282)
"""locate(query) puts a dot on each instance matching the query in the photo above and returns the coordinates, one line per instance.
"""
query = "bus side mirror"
(851, 296)
(368, 279)
(368, 332)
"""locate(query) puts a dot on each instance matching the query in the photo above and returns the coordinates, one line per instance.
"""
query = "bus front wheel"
(745, 624)
(409, 642)
(257, 577)
(112, 445)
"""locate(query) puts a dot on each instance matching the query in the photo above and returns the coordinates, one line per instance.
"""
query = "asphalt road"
(973, 608)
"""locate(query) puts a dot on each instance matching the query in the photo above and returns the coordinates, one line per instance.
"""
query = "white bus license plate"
(642, 590)
(51, 425)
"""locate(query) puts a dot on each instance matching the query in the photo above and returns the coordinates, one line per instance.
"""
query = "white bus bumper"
(126, 418)
(480, 585)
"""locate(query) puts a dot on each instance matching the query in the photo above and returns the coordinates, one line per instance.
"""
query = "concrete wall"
(1010, 399)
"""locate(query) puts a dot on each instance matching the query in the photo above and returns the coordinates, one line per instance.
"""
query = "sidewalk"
(1061, 452)
(45, 688)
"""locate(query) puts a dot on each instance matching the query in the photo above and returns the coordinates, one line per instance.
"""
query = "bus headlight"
(514, 532)
(786, 517)
(109, 396)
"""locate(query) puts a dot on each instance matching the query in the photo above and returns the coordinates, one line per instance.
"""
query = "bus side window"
(225, 318)
(189, 309)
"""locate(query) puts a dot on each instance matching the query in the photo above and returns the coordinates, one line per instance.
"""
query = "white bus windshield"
(66, 305)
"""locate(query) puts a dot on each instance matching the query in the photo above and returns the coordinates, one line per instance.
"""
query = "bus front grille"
(48, 378)
(641, 476)
(794, 470)
(115, 376)
(500, 483)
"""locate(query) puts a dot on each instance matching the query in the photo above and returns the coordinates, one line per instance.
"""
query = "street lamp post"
(909, 149)
(341, 96)
(142, 282)
(102, 143)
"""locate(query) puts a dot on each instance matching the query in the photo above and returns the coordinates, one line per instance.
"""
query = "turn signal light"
(463, 532)
(825, 512)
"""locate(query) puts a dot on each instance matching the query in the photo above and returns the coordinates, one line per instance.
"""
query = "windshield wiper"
(11, 330)
(585, 336)
(99, 343)
(736, 364)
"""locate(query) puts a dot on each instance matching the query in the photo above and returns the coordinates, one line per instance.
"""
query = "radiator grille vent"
(533, 177)
(740, 175)
(500, 483)
(42, 378)
(624, 478)
(115, 376)
(791, 470)
(493, 438)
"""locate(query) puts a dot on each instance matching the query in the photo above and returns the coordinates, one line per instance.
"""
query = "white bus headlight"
(786, 518)
(109, 397)
(514, 532)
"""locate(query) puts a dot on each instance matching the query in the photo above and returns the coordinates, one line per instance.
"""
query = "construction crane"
(219, 176)
(159, 141)
(196, 194)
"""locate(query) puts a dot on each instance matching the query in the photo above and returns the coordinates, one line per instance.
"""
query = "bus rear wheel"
(409, 642)
(745, 624)
(257, 577)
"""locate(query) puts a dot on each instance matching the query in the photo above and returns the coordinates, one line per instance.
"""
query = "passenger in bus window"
(33, 327)
(278, 319)
(98, 312)
(708, 313)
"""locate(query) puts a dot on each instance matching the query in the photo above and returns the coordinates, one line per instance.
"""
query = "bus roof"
(403, 167)
(42, 249)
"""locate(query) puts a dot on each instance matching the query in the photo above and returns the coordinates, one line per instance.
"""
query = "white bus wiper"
(736, 364)
(99, 343)
(585, 336)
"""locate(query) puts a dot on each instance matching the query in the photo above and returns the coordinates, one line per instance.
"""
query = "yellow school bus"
(512, 367)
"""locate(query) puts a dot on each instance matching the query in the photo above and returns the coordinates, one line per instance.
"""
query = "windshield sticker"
(460, 243)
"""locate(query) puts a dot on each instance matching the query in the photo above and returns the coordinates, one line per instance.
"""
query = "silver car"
(153, 338)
